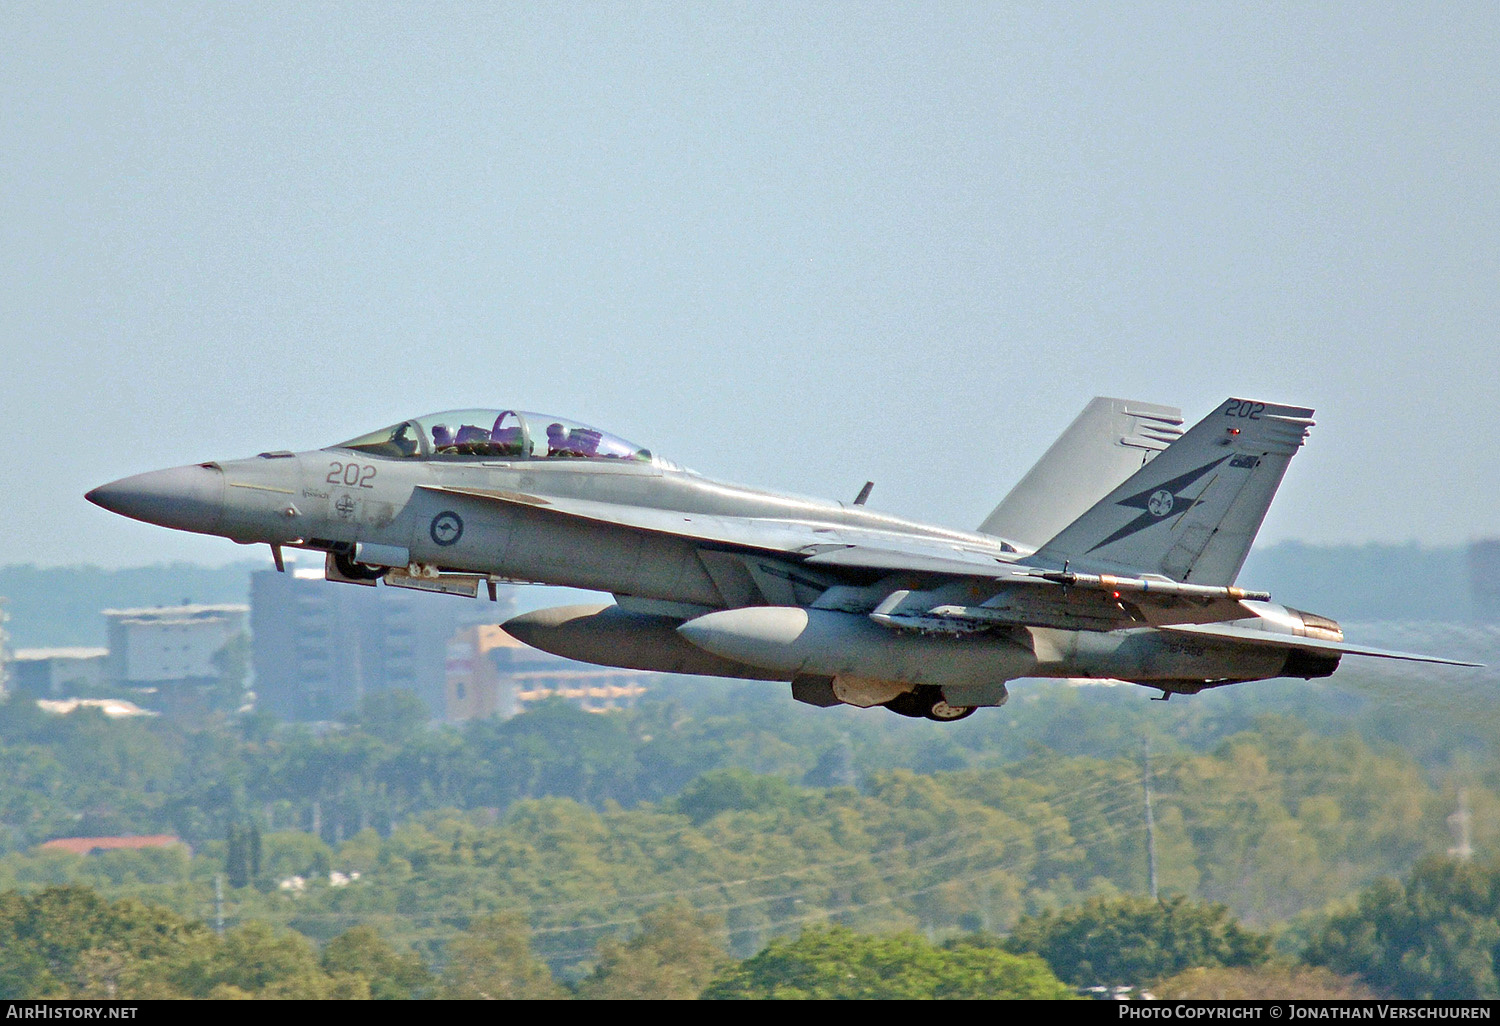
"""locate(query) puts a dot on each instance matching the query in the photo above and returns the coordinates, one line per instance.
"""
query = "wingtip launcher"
(1118, 585)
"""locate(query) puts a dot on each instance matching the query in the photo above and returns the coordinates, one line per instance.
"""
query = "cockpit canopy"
(494, 434)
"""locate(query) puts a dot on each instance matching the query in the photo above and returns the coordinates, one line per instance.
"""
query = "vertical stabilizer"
(1110, 440)
(1192, 513)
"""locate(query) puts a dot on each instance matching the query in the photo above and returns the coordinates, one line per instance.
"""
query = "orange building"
(474, 685)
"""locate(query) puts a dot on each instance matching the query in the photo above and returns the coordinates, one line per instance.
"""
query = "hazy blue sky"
(794, 245)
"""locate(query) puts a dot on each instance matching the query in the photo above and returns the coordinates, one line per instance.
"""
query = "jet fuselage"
(851, 605)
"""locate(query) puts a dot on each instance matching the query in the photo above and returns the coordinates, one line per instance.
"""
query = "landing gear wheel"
(356, 571)
(928, 701)
(909, 703)
(945, 713)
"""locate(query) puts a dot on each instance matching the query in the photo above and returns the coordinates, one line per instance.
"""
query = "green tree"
(392, 714)
(294, 853)
(237, 857)
(1436, 936)
(233, 663)
(492, 961)
(257, 961)
(1125, 942)
(1262, 983)
(676, 954)
(834, 962)
(67, 942)
(253, 849)
(392, 976)
(733, 790)
(554, 748)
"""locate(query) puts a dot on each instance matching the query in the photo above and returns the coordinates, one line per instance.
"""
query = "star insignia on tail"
(1159, 502)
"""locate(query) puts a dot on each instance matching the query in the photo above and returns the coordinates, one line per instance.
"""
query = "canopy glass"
(492, 435)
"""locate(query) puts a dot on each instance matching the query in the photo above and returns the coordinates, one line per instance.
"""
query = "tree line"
(1286, 807)
(1430, 936)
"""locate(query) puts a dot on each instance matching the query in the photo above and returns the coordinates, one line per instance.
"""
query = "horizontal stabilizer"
(1252, 636)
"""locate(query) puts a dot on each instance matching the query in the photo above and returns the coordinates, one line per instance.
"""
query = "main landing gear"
(926, 700)
(344, 563)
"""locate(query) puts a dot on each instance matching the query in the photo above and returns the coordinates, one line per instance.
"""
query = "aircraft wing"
(1251, 636)
(829, 546)
(934, 562)
(915, 558)
(1019, 593)
(762, 535)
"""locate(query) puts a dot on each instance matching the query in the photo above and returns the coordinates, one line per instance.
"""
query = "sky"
(793, 245)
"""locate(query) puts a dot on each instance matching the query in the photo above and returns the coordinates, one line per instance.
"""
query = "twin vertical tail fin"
(1192, 513)
(1110, 440)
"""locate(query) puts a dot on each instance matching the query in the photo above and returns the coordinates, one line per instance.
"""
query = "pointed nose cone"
(185, 498)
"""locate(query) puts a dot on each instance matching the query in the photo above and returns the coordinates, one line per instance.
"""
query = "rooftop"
(114, 708)
(85, 845)
(186, 612)
(38, 654)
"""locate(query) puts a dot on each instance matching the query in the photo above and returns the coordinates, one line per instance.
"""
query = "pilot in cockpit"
(505, 436)
(557, 440)
(579, 442)
(404, 442)
(472, 440)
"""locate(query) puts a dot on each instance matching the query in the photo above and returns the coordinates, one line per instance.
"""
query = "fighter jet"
(1114, 557)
